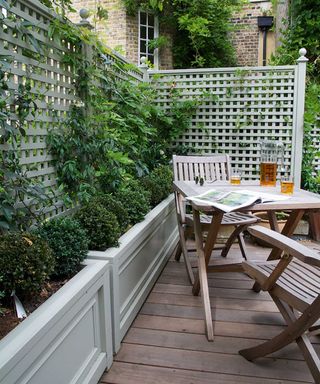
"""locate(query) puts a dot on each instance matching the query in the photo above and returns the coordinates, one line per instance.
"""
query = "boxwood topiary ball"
(159, 183)
(135, 199)
(102, 226)
(110, 203)
(26, 262)
(69, 243)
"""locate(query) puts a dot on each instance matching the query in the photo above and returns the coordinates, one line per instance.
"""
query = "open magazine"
(233, 200)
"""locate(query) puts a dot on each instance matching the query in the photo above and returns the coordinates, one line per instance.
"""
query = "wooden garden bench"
(293, 282)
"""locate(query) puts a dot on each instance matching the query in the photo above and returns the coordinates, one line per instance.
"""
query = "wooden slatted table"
(297, 204)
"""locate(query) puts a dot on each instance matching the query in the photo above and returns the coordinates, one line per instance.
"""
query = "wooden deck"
(166, 343)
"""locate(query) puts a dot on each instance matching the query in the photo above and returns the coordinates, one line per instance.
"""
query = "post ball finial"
(302, 51)
(84, 13)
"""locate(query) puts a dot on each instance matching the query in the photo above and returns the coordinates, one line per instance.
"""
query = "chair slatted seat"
(293, 282)
(210, 168)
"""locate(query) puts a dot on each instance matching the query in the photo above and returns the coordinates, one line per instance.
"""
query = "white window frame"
(156, 35)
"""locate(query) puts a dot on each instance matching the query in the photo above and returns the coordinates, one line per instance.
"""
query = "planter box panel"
(145, 257)
(137, 263)
(131, 304)
(68, 339)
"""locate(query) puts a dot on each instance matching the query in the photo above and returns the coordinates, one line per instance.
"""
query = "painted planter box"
(137, 263)
(68, 339)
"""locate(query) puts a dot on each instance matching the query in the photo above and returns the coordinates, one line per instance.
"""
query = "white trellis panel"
(239, 107)
(52, 83)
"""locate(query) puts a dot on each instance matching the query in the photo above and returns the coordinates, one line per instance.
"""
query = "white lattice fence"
(25, 39)
(35, 56)
(238, 108)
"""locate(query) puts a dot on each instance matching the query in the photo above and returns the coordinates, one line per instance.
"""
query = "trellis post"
(86, 51)
(299, 96)
(144, 68)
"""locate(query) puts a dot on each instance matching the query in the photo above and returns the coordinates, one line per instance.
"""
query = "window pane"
(150, 33)
(143, 18)
(143, 32)
(150, 19)
(143, 48)
(151, 59)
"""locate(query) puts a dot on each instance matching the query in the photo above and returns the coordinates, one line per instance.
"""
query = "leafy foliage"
(111, 204)
(69, 244)
(201, 37)
(125, 135)
(158, 183)
(135, 199)
(26, 261)
(101, 226)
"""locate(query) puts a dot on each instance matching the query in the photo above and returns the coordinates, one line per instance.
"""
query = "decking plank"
(226, 303)
(213, 362)
(166, 343)
(221, 344)
(143, 374)
(222, 314)
(247, 294)
(231, 329)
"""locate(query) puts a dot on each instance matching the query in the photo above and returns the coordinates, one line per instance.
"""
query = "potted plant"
(68, 338)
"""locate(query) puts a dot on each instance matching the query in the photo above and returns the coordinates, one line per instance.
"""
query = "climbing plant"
(201, 29)
(19, 194)
(115, 130)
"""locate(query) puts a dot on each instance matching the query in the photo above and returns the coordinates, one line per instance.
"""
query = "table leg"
(210, 242)
(203, 261)
(291, 224)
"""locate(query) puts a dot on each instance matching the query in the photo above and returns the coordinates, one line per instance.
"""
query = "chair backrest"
(214, 167)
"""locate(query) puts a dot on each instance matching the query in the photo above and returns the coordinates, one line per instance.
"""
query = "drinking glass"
(287, 185)
(235, 178)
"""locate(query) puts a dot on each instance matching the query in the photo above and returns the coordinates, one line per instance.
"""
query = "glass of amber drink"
(235, 178)
(287, 185)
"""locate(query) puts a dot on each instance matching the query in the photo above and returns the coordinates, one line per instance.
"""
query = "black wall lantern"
(265, 23)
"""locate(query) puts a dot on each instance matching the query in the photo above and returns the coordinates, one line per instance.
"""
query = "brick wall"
(112, 31)
(132, 34)
(121, 32)
(165, 61)
(245, 35)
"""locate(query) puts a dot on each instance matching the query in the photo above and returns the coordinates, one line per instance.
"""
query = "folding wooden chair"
(294, 285)
(210, 168)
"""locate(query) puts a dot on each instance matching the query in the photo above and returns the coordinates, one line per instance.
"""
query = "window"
(148, 30)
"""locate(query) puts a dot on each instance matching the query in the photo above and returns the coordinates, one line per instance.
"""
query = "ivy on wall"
(200, 29)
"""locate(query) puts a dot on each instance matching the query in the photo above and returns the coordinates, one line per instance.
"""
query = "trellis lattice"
(37, 57)
(238, 108)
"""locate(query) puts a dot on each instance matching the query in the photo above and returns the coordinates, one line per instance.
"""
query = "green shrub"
(135, 199)
(26, 261)
(69, 243)
(102, 226)
(158, 183)
(111, 204)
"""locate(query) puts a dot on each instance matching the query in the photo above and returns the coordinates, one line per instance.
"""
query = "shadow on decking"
(166, 343)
